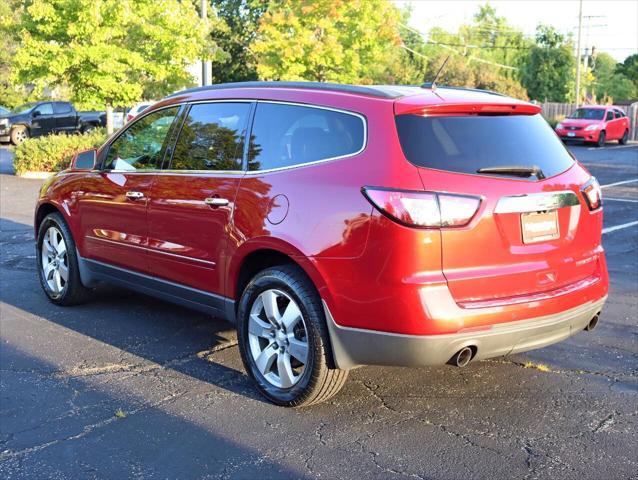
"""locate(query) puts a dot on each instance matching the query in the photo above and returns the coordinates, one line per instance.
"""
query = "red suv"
(337, 226)
(595, 124)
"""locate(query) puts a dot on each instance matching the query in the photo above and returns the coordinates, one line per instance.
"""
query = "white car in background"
(136, 110)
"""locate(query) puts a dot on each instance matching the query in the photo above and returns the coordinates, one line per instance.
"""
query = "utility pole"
(206, 64)
(580, 28)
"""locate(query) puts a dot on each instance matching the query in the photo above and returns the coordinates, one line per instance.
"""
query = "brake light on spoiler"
(423, 209)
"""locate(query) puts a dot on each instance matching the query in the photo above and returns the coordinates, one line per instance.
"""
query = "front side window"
(141, 146)
(289, 135)
(44, 109)
(212, 137)
(610, 116)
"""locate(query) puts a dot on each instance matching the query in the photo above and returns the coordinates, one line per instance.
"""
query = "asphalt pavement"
(131, 387)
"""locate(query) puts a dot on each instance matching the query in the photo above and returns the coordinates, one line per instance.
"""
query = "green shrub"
(54, 152)
(554, 121)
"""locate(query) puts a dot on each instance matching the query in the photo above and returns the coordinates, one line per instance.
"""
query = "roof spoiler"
(411, 106)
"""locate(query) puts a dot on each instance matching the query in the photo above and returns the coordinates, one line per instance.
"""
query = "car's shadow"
(163, 333)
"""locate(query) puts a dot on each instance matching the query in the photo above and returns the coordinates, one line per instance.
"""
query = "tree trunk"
(109, 119)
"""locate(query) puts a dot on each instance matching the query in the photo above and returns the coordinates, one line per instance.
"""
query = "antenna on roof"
(432, 85)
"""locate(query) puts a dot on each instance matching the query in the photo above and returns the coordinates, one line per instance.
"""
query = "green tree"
(109, 52)
(549, 66)
(235, 35)
(610, 83)
(11, 95)
(629, 68)
(326, 40)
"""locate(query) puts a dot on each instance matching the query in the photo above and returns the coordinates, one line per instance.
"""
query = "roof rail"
(431, 86)
(335, 87)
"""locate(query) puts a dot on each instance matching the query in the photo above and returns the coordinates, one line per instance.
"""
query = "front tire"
(601, 139)
(57, 259)
(624, 138)
(19, 134)
(283, 339)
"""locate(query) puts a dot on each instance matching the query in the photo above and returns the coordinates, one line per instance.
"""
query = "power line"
(449, 47)
(463, 45)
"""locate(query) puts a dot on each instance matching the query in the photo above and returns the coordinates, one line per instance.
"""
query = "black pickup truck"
(43, 118)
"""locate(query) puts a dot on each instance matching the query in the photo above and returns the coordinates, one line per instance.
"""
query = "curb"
(36, 175)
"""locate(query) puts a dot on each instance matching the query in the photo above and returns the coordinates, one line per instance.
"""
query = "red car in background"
(595, 124)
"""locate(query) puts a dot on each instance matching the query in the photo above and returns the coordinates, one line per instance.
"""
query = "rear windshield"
(466, 144)
(588, 114)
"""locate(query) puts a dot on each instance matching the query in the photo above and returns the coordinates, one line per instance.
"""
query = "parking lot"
(130, 387)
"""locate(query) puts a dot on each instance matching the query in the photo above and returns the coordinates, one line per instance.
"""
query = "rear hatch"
(533, 232)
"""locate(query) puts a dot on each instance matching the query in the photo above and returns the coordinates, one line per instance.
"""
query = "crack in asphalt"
(9, 454)
(615, 376)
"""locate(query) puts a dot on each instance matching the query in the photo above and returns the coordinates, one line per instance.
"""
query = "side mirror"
(84, 160)
(36, 113)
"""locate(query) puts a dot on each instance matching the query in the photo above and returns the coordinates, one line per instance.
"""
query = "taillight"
(423, 209)
(592, 193)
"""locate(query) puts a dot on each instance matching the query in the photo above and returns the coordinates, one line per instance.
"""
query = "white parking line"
(612, 148)
(619, 183)
(630, 200)
(619, 227)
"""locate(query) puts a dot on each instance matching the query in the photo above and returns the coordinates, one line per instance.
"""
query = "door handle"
(134, 195)
(216, 201)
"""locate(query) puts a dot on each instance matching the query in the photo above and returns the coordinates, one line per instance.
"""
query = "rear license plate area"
(539, 226)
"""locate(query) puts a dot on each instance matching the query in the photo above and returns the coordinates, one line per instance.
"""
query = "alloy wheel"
(54, 261)
(278, 338)
(20, 136)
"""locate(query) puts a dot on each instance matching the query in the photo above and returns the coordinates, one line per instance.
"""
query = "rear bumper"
(353, 347)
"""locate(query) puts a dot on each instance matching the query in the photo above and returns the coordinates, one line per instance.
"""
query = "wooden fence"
(553, 110)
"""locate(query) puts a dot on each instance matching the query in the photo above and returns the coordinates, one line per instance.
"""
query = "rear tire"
(625, 137)
(601, 139)
(58, 267)
(19, 134)
(283, 339)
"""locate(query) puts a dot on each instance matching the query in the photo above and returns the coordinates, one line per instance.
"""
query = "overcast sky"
(618, 36)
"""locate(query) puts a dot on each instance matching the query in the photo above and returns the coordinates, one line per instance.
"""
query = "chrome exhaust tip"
(592, 323)
(462, 357)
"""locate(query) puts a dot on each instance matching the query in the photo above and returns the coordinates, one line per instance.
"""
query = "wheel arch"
(45, 208)
(257, 257)
(254, 256)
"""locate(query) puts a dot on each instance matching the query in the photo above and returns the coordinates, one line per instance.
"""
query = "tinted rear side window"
(61, 108)
(212, 137)
(288, 135)
(465, 144)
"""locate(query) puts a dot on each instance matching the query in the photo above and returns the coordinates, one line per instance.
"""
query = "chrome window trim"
(323, 160)
(536, 202)
(246, 171)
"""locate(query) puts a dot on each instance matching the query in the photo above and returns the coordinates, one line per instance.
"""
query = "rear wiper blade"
(514, 170)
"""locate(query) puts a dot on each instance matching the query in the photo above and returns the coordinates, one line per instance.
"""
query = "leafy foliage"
(326, 40)
(547, 71)
(239, 20)
(611, 81)
(54, 152)
(110, 52)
